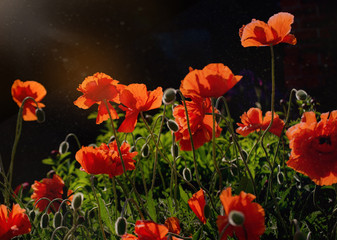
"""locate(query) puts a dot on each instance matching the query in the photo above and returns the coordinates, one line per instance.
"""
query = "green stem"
(115, 196)
(98, 206)
(213, 148)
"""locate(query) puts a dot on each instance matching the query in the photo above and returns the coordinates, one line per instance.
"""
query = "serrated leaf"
(105, 214)
(151, 206)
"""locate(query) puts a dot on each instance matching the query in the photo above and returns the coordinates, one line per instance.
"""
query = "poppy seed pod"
(236, 218)
(41, 117)
(64, 147)
(299, 236)
(301, 95)
(44, 220)
(169, 96)
(32, 215)
(120, 226)
(57, 221)
(77, 201)
(207, 211)
(187, 174)
(145, 150)
(172, 125)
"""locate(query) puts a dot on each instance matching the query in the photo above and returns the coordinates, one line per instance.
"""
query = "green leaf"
(196, 236)
(183, 194)
(105, 214)
(151, 206)
(245, 185)
(48, 161)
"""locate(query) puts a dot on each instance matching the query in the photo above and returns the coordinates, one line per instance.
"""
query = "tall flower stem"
(213, 147)
(156, 153)
(121, 155)
(16, 141)
(98, 205)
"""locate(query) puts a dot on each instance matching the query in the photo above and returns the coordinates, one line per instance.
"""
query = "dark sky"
(59, 43)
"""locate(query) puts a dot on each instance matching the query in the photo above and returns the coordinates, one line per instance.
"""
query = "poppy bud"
(32, 215)
(174, 150)
(41, 117)
(77, 201)
(132, 149)
(187, 174)
(207, 211)
(80, 220)
(120, 226)
(301, 95)
(172, 125)
(57, 221)
(64, 147)
(145, 150)
(169, 96)
(236, 218)
(44, 220)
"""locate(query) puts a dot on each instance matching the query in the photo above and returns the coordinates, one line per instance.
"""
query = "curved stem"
(76, 139)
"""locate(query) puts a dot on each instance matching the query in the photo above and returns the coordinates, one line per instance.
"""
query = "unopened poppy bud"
(187, 174)
(44, 222)
(64, 147)
(145, 150)
(169, 96)
(41, 117)
(299, 236)
(77, 201)
(57, 221)
(174, 150)
(172, 125)
(120, 226)
(236, 218)
(207, 211)
(32, 215)
(301, 95)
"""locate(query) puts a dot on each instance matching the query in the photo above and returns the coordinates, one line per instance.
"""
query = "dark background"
(59, 43)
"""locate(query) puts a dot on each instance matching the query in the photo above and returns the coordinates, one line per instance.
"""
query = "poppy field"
(173, 163)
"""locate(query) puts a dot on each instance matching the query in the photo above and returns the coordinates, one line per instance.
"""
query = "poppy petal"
(103, 114)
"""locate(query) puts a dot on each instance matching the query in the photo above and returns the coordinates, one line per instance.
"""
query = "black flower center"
(325, 140)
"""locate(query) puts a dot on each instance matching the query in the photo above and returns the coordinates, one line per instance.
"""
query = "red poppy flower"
(147, 230)
(277, 30)
(214, 80)
(253, 225)
(197, 203)
(135, 99)
(173, 225)
(201, 124)
(252, 121)
(13, 223)
(96, 89)
(314, 147)
(21, 90)
(105, 159)
(50, 188)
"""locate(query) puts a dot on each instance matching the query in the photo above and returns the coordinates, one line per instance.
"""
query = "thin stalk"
(213, 147)
(76, 139)
(98, 206)
(115, 196)
(156, 153)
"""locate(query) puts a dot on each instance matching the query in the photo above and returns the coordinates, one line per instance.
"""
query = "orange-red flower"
(253, 226)
(201, 124)
(314, 147)
(214, 80)
(252, 121)
(96, 89)
(105, 159)
(277, 30)
(13, 223)
(147, 230)
(197, 203)
(135, 99)
(50, 188)
(173, 225)
(21, 90)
